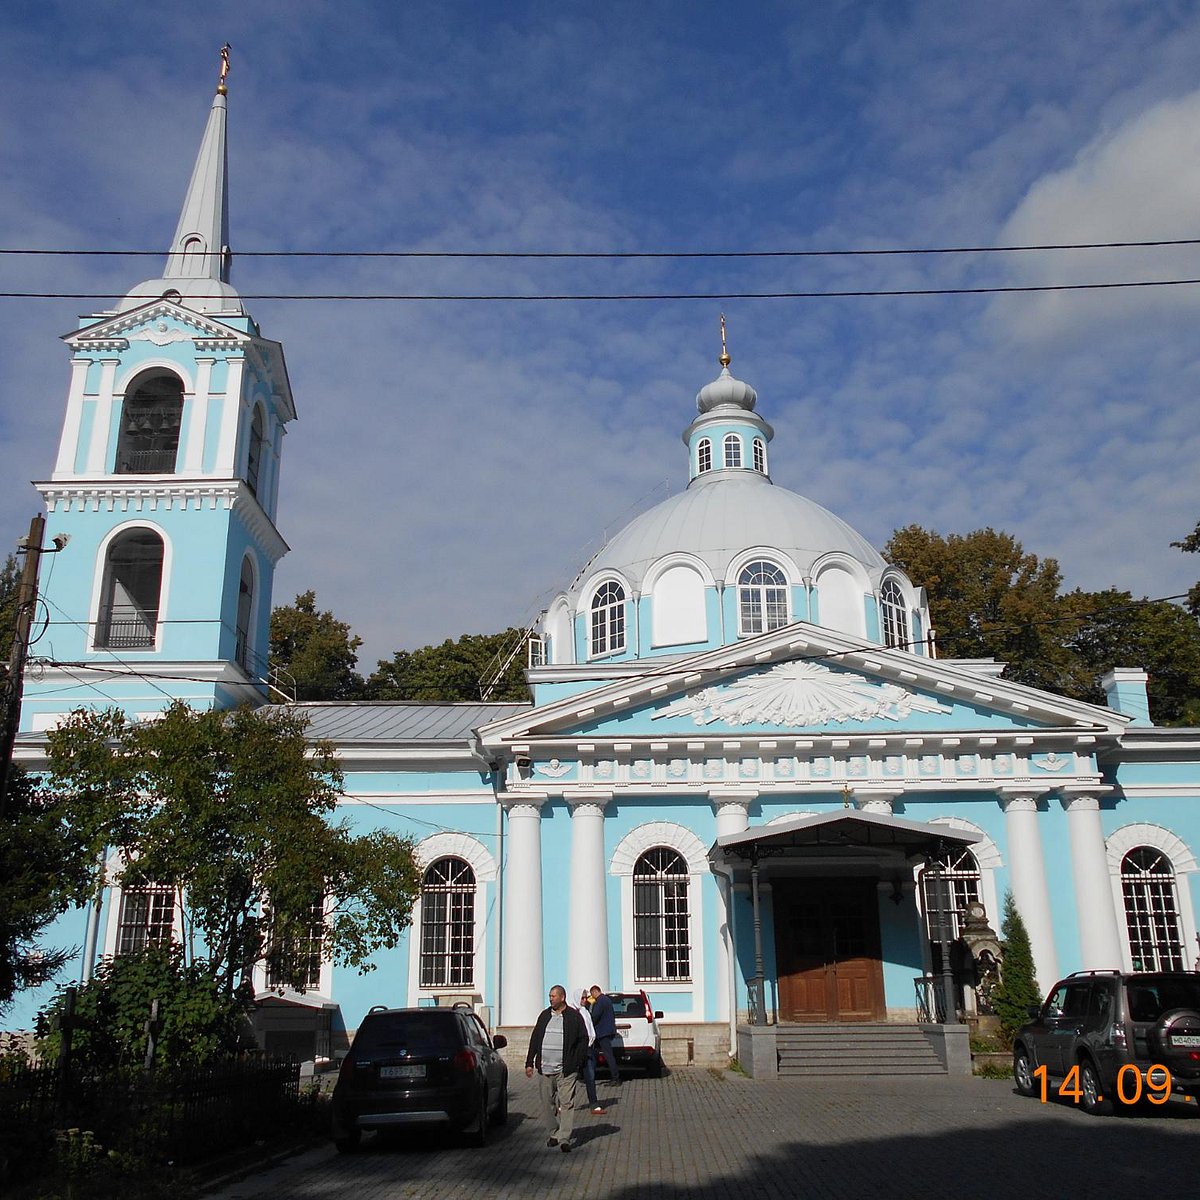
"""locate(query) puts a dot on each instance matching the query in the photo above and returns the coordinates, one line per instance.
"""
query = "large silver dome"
(720, 516)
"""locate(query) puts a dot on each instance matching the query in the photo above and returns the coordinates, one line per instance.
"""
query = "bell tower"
(166, 482)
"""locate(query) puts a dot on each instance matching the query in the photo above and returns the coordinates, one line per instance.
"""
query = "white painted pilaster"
(1027, 867)
(197, 422)
(231, 418)
(69, 445)
(97, 454)
(733, 816)
(587, 925)
(522, 987)
(1099, 935)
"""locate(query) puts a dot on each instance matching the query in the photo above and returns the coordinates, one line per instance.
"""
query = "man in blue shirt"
(605, 1021)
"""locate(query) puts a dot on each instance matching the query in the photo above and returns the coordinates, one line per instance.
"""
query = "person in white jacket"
(582, 1001)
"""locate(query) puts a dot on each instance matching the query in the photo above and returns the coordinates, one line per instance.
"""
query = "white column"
(1027, 869)
(102, 420)
(69, 445)
(587, 923)
(733, 816)
(1099, 936)
(197, 420)
(522, 986)
(231, 418)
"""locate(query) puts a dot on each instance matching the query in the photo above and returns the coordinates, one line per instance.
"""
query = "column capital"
(578, 801)
(871, 801)
(522, 804)
(720, 797)
(1014, 799)
(1080, 802)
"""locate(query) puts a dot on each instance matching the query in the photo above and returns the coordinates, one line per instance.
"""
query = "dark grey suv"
(420, 1066)
(1100, 1034)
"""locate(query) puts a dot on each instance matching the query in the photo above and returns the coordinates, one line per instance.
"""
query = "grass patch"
(993, 1071)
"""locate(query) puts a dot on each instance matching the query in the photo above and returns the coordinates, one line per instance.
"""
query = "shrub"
(1018, 987)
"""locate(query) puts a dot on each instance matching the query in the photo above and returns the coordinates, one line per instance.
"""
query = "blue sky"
(455, 463)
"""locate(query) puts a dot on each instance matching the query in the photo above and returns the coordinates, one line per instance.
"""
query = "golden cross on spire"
(221, 88)
(724, 360)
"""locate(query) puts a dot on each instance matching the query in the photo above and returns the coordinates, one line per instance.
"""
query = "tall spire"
(201, 246)
(197, 270)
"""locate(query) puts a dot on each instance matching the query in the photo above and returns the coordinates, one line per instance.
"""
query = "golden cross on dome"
(724, 360)
(221, 88)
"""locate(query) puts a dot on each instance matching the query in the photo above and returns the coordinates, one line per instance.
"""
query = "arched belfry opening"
(150, 421)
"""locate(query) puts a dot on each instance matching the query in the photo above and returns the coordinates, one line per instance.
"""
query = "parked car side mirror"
(658, 1016)
(1034, 1011)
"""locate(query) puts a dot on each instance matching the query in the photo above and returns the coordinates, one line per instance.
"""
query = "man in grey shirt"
(557, 1051)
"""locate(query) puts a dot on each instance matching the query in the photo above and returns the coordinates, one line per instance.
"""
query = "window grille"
(661, 924)
(704, 456)
(295, 962)
(448, 925)
(147, 917)
(608, 619)
(894, 615)
(762, 598)
(128, 617)
(1151, 910)
(733, 450)
(961, 874)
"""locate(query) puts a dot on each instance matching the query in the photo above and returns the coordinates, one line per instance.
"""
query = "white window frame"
(610, 612)
(760, 455)
(661, 882)
(731, 450)
(895, 626)
(704, 462)
(761, 589)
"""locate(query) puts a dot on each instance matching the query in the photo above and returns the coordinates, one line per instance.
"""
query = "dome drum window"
(760, 456)
(733, 450)
(703, 456)
(608, 619)
(762, 598)
(893, 615)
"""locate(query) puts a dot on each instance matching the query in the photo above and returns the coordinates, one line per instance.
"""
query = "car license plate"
(414, 1071)
(1185, 1039)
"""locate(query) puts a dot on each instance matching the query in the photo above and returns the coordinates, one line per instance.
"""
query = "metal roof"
(382, 721)
(841, 829)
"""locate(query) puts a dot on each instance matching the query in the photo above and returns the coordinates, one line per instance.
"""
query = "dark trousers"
(604, 1046)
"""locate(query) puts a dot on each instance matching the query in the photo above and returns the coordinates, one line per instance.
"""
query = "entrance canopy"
(840, 831)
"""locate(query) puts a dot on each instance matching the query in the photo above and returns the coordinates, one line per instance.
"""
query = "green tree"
(197, 1020)
(316, 650)
(454, 670)
(988, 597)
(43, 872)
(1115, 630)
(1191, 545)
(10, 579)
(234, 810)
(1018, 987)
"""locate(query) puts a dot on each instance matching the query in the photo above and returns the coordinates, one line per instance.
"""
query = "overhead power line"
(559, 297)
(847, 252)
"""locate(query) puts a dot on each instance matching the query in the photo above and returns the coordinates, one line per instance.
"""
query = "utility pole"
(10, 708)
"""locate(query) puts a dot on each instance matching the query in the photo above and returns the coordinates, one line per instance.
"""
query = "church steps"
(856, 1050)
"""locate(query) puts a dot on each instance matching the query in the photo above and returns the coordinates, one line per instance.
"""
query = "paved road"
(706, 1134)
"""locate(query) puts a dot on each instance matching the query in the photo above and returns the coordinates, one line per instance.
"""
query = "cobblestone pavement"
(699, 1133)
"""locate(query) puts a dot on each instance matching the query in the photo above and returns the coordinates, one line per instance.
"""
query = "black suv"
(1104, 1021)
(420, 1066)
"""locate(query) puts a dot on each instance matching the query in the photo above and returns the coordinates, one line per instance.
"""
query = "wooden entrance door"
(827, 950)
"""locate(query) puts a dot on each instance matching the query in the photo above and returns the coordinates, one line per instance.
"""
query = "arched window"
(448, 925)
(608, 619)
(661, 924)
(762, 598)
(945, 895)
(703, 456)
(147, 917)
(128, 617)
(733, 450)
(295, 961)
(150, 420)
(245, 612)
(893, 615)
(1151, 910)
(255, 452)
(760, 456)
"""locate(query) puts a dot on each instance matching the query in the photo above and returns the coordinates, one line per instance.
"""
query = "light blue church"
(744, 782)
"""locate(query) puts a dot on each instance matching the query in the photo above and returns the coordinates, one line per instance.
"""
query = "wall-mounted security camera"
(523, 762)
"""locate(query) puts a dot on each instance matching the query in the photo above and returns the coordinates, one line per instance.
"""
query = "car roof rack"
(1106, 971)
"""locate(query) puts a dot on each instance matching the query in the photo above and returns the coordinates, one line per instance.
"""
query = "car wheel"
(501, 1117)
(479, 1135)
(1094, 1101)
(349, 1143)
(1023, 1072)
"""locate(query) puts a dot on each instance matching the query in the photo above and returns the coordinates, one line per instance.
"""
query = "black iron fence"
(180, 1115)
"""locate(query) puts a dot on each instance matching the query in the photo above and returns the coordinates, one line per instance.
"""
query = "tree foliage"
(1018, 987)
(1191, 545)
(316, 650)
(197, 1021)
(234, 810)
(10, 580)
(453, 671)
(989, 598)
(43, 872)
